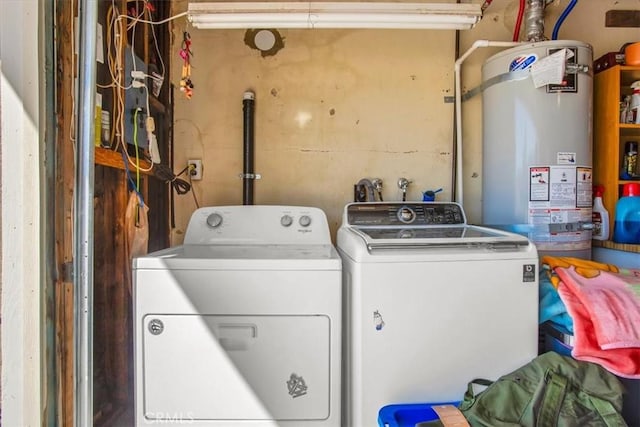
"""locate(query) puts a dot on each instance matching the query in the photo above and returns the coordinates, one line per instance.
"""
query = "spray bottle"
(634, 107)
(599, 216)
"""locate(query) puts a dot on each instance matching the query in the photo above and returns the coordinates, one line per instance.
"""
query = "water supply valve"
(403, 184)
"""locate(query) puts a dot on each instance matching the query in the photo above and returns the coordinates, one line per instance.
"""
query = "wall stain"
(332, 111)
(274, 92)
(474, 175)
(249, 40)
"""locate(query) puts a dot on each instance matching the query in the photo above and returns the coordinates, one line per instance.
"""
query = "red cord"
(516, 30)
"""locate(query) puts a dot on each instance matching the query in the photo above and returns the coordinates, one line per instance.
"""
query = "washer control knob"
(214, 220)
(286, 220)
(406, 215)
(305, 220)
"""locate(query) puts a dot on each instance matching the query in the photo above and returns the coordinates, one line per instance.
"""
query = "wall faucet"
(377, 184)
(403, 183)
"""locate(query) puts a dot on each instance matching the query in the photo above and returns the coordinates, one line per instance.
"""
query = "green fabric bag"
(551, 390)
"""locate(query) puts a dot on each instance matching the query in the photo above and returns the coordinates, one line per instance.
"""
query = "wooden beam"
(63, 221)
(113, 159)
(622, 18)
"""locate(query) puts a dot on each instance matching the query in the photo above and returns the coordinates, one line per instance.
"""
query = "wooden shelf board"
(113, 159)
(609, 244)
(628, 129)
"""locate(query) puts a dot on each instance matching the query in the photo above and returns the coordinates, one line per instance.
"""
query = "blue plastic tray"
(408, 415)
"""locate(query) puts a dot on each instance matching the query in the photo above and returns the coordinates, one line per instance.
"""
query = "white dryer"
(430, 304)
(240, 325)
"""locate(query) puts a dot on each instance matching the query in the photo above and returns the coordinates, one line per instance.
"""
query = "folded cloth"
(551, 308)
(584, 267)
(606, 318)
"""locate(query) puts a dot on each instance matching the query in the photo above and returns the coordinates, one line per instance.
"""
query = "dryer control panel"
(258, 224)
(402, 214)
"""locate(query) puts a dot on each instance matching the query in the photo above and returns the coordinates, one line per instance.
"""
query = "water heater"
(537, 145)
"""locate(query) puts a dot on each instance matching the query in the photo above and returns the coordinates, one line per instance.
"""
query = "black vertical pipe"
(248, 175)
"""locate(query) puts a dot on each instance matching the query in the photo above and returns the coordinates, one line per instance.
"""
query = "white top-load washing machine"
(431, 303)
(240, 325)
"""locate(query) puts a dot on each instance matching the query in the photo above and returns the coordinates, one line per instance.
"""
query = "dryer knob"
(286, 220)
(214, 220)
(305, 220)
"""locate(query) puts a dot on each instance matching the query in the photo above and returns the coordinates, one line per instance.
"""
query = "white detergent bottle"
(634, 106)
(599, 216)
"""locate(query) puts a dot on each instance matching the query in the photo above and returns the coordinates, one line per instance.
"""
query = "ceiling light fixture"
(230, 15)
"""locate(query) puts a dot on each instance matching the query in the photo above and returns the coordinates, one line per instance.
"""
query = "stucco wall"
(334, 106)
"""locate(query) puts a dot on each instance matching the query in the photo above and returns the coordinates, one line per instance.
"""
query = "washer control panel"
(402, 214)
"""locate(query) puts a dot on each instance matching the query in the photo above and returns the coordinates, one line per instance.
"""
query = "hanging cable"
(563, 16)
(516, 29)
(144, 21)
(135, 143)
(195, 199)
(165, 174)
(131, 181)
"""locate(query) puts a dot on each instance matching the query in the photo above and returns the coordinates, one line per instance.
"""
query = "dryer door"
(236, 367)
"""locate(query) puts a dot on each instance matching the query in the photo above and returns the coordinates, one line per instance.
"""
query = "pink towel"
(606, 315)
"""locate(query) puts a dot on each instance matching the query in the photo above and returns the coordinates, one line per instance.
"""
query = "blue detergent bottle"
(626, 228)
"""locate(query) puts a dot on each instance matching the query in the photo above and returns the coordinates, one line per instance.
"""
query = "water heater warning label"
(539, 184)
(559, 202)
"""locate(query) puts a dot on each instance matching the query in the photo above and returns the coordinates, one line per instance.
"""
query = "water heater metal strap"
(519, 75)
(555, 228)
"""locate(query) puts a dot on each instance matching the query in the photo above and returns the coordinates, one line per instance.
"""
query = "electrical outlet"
(195, 169)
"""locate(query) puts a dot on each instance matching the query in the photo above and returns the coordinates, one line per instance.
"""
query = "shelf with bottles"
(611, 136)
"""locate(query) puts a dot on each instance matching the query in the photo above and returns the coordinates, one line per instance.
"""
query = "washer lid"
(243, 257)
(434, 237)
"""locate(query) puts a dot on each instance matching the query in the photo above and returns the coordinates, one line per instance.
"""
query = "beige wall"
(334, 106)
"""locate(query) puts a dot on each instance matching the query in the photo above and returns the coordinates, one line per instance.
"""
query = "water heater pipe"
(248, 174)
(534, 21)
(458, 110)
(563, 16)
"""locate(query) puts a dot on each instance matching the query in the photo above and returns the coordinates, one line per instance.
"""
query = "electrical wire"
(516, 29)
(159, 55)
(116, 33)
(135, 143)
(164, 21)
(165, 174)
(485, 5)
(195, 199)
(563, 16)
